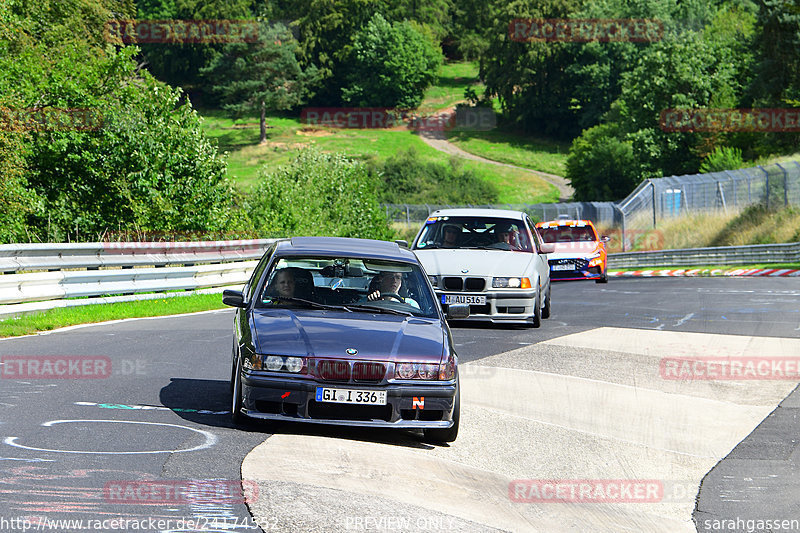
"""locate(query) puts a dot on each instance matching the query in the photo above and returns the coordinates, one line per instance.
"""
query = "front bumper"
(503, 306)
(408, 405)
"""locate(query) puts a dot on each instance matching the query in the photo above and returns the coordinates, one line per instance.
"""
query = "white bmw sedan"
(491, 259)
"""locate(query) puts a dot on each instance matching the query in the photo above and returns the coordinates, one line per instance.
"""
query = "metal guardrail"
(717, 255)
(53, 257)
(41, 276)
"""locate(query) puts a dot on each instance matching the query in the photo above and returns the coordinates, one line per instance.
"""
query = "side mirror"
(402, 242)
(233, 298)
(457, 311)
(605, 238)
(547, 248)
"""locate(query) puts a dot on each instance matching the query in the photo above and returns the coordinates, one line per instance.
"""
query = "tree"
(601, 166)
(391, 65)
(261, 75)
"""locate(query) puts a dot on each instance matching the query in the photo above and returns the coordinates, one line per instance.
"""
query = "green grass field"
(288, 135)
(535, 154)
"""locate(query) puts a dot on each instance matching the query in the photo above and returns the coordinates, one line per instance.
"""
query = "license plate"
(463, 299)
(363, 397)
(563, 267)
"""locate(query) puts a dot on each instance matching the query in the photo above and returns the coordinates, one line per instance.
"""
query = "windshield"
(348, 284)
(568, 234)
(485, 233)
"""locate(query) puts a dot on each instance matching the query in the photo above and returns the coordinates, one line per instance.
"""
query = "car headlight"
(447, 371)
(408, 370)
(280, 363)
(513, 283)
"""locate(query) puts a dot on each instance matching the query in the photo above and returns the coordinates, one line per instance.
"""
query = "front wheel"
(546, 310)
(449, 434)
(537, 310)
(603, 278)
(238, 418)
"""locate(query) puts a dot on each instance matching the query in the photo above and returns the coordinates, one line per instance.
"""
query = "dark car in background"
(346, 332)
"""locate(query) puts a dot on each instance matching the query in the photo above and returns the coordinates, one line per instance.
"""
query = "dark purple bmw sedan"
(344, 331)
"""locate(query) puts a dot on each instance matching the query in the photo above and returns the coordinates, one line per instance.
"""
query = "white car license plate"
(463, 299)
(568, 266)
(364, 397)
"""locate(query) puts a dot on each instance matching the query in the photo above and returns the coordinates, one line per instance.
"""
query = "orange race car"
(580, 252)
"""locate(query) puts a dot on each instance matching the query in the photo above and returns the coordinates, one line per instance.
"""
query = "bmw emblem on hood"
(464, 270)
(351, 351)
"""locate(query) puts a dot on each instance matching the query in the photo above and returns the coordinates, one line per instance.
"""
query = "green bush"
(390, 65)
(601, 166)
(406, 179)
(722, 158)
(319, 194)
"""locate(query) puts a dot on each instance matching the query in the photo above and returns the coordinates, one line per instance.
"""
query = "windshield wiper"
(370, 308)
(315, 305)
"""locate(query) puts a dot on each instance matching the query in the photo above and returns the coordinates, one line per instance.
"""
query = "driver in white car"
(389, 284)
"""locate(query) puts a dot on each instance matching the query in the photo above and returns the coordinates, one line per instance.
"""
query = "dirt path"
(438, 141)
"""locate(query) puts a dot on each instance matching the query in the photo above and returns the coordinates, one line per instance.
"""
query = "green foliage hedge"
(319, 194)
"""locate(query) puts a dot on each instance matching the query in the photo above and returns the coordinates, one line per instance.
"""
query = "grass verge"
(85, 314)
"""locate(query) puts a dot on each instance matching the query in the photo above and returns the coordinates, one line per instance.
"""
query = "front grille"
(333, 370)
(475, 284)
(333, 411)
(460, 284)
(453, 284)
(480, 309)
(364, 372)
(576, 263)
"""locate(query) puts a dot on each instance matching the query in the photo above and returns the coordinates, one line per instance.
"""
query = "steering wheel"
(393, 295)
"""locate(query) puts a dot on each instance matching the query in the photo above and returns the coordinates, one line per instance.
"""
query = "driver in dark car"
(389, 284)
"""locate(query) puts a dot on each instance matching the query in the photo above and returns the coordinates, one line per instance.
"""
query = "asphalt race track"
(585, 401)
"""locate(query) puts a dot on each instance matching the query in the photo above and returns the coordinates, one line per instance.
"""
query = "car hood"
(478, 262)
(574, 249)
(322, 333)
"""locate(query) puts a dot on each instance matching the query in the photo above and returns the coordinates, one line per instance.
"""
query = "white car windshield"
(485, 233)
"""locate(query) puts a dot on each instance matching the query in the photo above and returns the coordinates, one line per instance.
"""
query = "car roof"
(563, 222)
(345, 247)
(478, 212)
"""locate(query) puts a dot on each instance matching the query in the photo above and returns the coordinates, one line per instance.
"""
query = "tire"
(603, 278)
(546, 310)
(237, 417)
(537, 310)
(449, 434)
